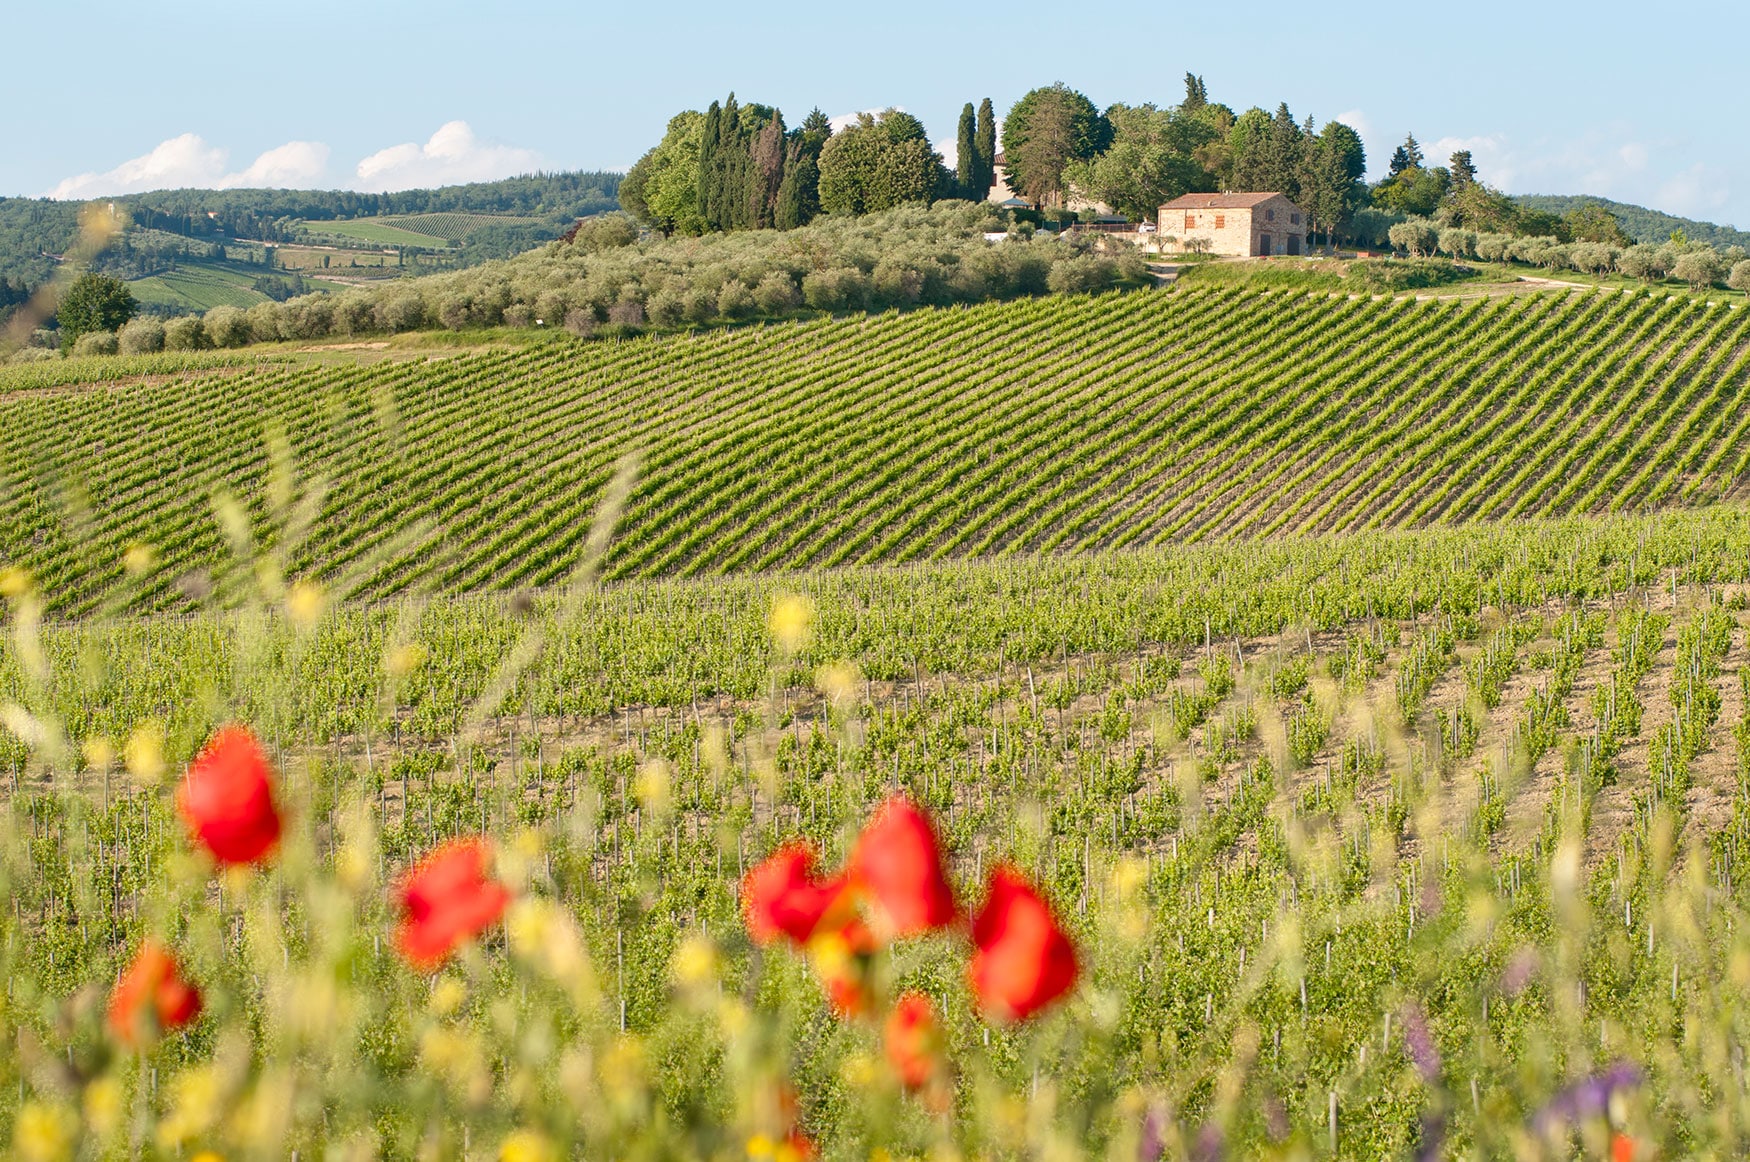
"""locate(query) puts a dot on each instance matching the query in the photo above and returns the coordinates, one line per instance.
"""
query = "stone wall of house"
(1282, 220)
(1237, 231)
(1227, 231)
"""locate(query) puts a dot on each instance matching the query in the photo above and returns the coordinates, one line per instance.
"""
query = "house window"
(1270, 215)
(1190, 221)
(1294, 218)
(1221, 221)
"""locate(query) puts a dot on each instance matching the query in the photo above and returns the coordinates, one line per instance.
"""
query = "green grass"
(1060, 425)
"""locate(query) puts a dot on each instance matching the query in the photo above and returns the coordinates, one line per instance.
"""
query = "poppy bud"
(913, 1040)
(226, 798)
(1022, 960)
(151, 997)
(898, 863)
(447, 899)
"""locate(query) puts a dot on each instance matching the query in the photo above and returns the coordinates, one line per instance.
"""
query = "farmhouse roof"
(1219, 201)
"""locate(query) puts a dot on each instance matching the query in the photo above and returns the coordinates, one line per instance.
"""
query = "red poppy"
(226, 798)
(782, 897)
(913, 1039)
(447, 899)
(799, 1147)
(843, 953)
(1622, 1148)
(151, 997)
(1022, 960)
(898, 862)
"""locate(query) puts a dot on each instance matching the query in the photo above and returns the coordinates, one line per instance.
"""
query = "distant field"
(200, 287)
(432, 230)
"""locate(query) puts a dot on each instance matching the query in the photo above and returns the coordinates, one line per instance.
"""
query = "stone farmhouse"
(1244, 225)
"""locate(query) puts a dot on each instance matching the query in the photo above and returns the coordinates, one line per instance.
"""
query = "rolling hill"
(1060, 425)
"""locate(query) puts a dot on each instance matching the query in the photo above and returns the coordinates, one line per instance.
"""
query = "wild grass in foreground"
(1401, 845)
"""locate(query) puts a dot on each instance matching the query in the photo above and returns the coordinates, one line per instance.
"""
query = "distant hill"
(469, 223)
(1640, 223)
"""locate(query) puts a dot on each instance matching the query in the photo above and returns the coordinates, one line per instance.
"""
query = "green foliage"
(662, 188)
(1150, 161)
(93, 302)
(1046, 130)
(880, 162)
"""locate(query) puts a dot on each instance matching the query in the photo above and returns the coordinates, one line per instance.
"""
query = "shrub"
(96, 343)
(518, 315)
(626, 313)
(666, 308)
(403, 310)
(734, 300)
(187, 333)
(1085, 274)
(141, 336)
(264, 322)
(777, 293)
(836, 289)
(1739, 279)
(227, 327)
(580, 322)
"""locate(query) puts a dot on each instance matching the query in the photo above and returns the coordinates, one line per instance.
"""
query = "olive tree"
(1699, 268)
(1418, 236)
(1739, 279)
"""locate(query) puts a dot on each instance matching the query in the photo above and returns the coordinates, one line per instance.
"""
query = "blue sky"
(1638, 102)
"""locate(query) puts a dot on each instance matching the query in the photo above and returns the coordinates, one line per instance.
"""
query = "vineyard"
(1357, 691)
(1063, 425)
(411, 229)
(1383, 845)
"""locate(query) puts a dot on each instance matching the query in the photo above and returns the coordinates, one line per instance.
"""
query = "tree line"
(737, 167)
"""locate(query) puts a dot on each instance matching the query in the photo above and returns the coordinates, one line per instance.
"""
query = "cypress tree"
(966, 155)
(985, 146)
(731, 192)
(708, 197)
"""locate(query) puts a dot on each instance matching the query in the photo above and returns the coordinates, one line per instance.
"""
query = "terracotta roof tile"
(1219, 201)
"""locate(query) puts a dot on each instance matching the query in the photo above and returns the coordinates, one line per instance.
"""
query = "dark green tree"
(966, 155)
(1331, 185)
(877, 164)
(709, 184)
(1463, 169)
(1196, 96)
(799, 195)
(1406, 156)
(95, 302)
(1045, 131)
(985, 141)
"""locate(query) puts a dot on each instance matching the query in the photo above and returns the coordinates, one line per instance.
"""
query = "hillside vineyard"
(1055, 425)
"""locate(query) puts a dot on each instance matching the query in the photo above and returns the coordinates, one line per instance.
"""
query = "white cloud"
(188, 161)
(846, 120)
(1489, 153)
(1696, 192)
(181, 161)
(453, 155)
(1357, 120)
(294, 165)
